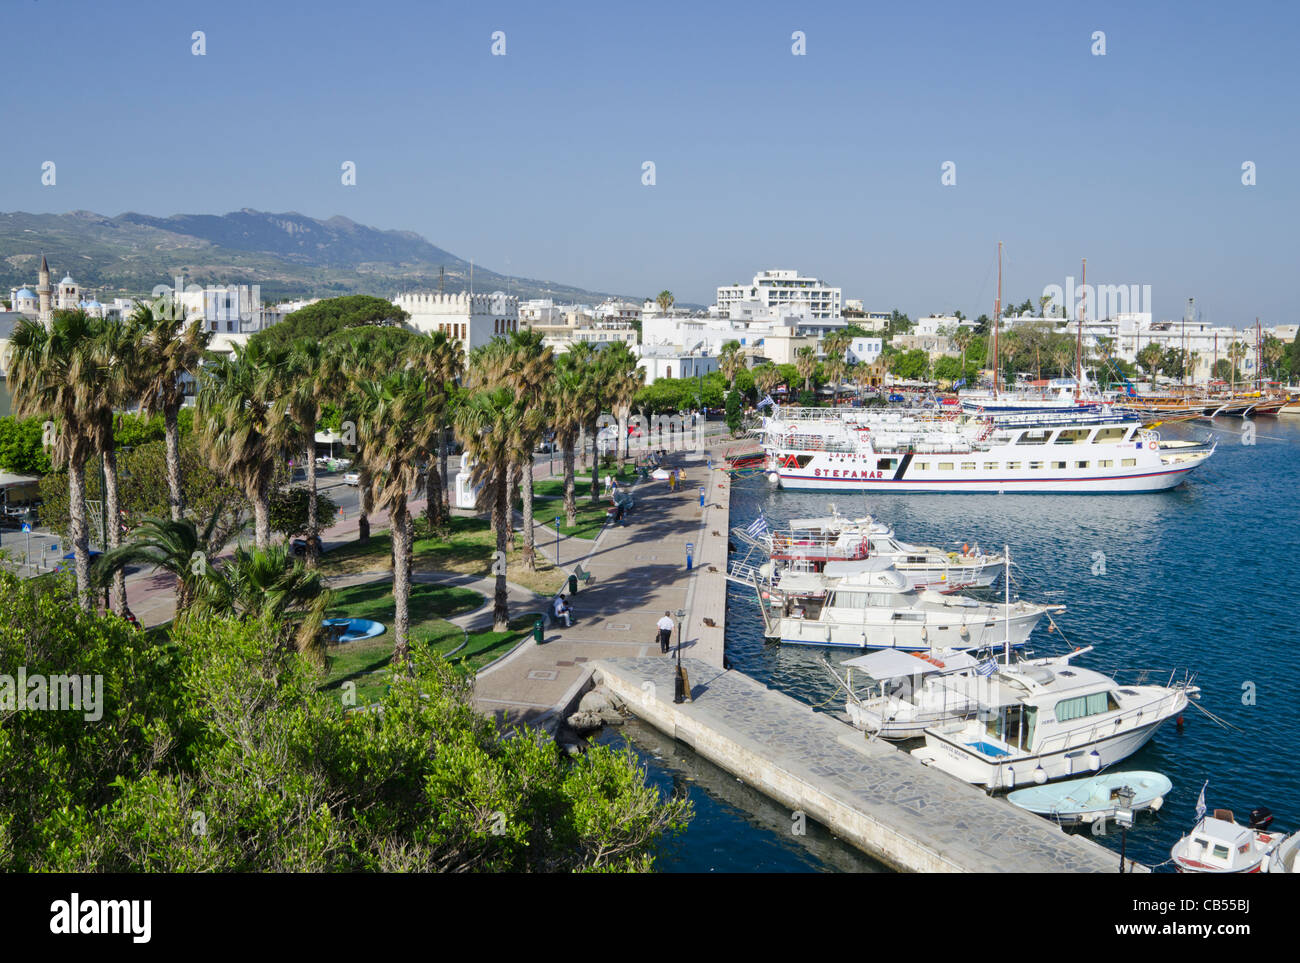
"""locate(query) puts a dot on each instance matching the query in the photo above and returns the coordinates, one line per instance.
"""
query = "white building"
(782, 287)
(615, 310)
(473, 319)
(666, 362)
(865, 350)
(935, 323)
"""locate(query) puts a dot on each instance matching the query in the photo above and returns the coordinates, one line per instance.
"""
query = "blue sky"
(828, 162)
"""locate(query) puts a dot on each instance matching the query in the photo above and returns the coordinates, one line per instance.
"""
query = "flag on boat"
(1200, 803)
(986, 668)
(960, 384)
(767, 400)
(758, 527)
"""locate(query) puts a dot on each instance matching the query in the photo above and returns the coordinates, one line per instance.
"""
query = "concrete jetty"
(870, 794)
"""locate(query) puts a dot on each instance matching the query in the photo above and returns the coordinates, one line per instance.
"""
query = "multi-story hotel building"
(783, 288)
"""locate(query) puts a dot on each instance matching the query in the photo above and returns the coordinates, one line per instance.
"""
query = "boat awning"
(892, 664)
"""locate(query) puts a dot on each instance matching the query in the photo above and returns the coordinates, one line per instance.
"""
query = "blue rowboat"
(1096, 797)
(350, 630)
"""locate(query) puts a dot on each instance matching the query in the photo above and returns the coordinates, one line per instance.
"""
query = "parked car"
(352, 478)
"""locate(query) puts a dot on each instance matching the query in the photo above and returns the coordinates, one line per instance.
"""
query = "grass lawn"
(365, 662)
(468, 548)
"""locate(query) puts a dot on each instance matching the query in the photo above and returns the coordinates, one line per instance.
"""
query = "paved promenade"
(871, 794)
(638, 573)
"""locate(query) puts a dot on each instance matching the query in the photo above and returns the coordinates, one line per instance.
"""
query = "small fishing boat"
(1095, 798)
(1219, 844)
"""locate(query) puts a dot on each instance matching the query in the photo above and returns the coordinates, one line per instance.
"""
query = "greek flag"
(986, 668)
(767, 400)
(960, 384)
(1200, 803)
(758, 527)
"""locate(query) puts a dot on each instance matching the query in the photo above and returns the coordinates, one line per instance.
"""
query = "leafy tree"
(319, 321)
(213, 721)
(733, 412)
(291, 510)
(22, 446)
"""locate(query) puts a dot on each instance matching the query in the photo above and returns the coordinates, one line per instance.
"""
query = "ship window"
(887, 464)
(1058, 464)
(1072, 436)
(1220, 852)
(1035, 464)
(1129, 462)
(968, 466)
(990, 466)
(945, 466)
(1106, 463)
(1013, 466)
(923, 466)
(1081, 464)
(1037, 437)
(1108, 436)
(1088, 705)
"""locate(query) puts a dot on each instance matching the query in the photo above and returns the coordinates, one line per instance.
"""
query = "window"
(886, 464)
(1035, 464)
(1058, 464)
(990, 466)
(1220, 852)
(945, 466)
(1106, 463)
(1036, 437)
(1072, 436)
(1013, 466)
(1109, 436)
(923, 466)
(1088, 705)
(1081, 464)
(968, 466)
(1129, 462)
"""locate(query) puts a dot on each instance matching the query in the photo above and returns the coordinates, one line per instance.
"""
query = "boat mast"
(1078, 344)
(997, 322)
(1006, 615)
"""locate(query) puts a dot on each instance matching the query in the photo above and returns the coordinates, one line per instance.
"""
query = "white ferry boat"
(883, 450)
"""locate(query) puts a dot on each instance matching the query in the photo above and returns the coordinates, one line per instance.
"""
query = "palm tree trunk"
(516, 474)
(313, 519)
(442, 470)
(570, 485)
(500, 509)
(112, 523)
(262, 515)
(433, 494)
(171, 426)
(595, 464)
(363, 515)
(77, 524)
(526, 492)
(401, 529)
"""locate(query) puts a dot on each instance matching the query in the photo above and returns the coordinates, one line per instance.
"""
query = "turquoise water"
(1198, 578)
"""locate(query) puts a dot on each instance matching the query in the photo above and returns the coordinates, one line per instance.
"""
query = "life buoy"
(1155, 445)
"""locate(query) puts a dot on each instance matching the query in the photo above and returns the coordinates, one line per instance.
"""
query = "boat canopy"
(893, 664)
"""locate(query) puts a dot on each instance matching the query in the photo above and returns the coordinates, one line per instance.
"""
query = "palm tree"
(485, 422)
(588, 400)
(805, 362)
(767, 376)
(170, 353)
(243, 425)
(312, 374)
(113, 383)
(51, 373)
(1149, 358)
(836, 346)
(273, 588)
(730, 361)
(527, 366)
(443, 361)
(623, 379)
(175, 546)
(568, 417)
(1236, 351)
(665, 300)
(962, 339)
(395, 420)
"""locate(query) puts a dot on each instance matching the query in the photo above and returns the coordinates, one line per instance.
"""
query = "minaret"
(44, 292)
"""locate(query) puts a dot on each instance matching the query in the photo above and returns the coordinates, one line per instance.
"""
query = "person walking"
(665, 631)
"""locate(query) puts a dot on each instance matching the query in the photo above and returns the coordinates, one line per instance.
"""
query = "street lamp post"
(557, 541)
(681, 684)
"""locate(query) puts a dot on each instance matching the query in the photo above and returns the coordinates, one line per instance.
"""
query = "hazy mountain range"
(289, 255)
